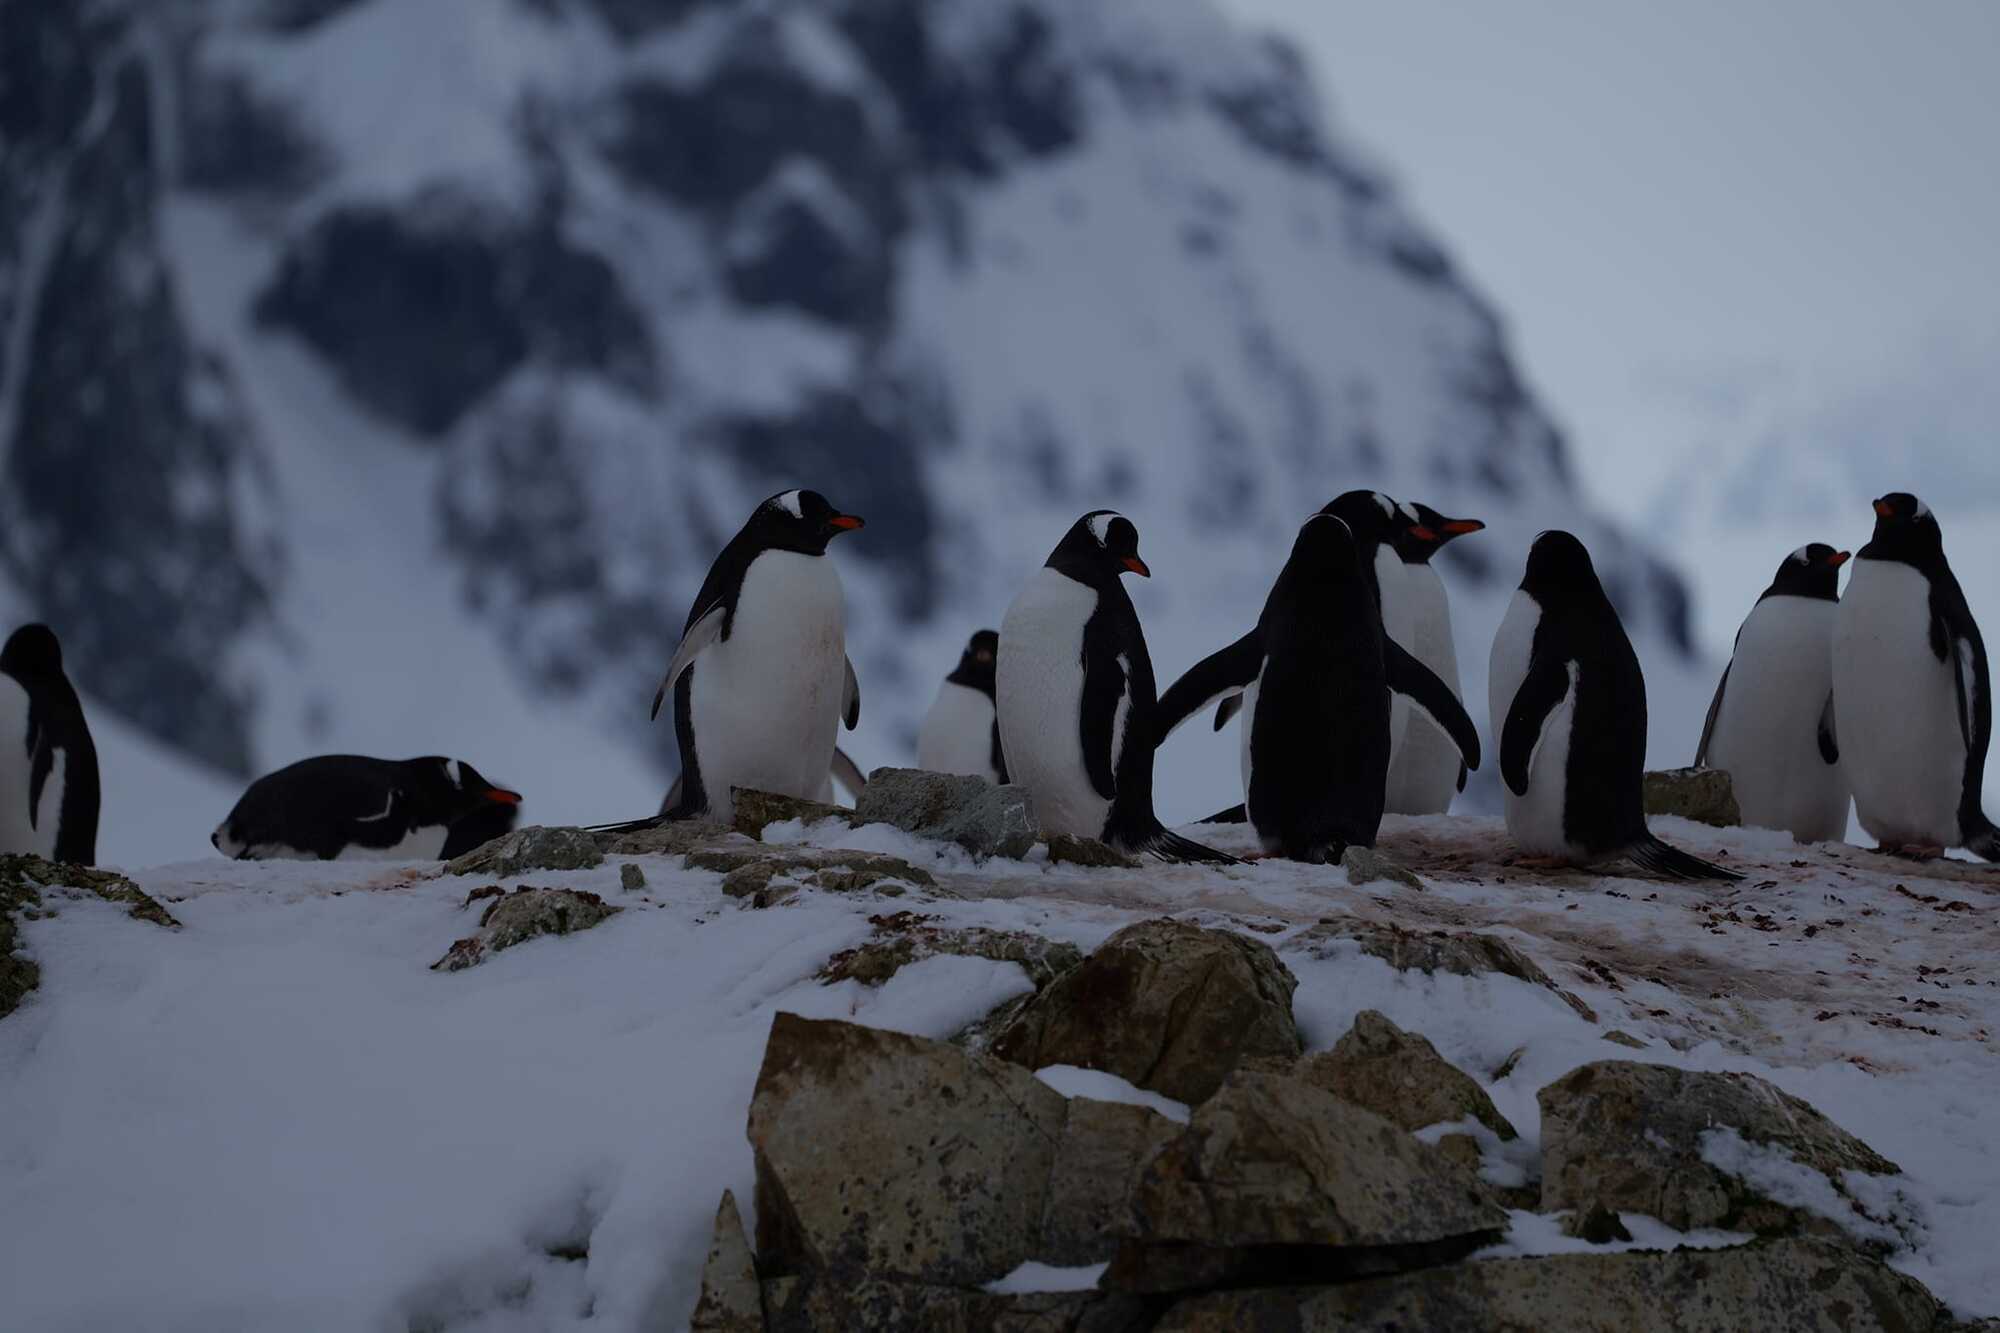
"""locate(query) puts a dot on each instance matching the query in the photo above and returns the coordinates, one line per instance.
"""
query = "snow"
(1541, 1233)
(1100, 1086)
(1779, 1176)
(1032, 1276)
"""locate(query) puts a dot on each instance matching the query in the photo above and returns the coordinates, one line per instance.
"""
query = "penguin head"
(1098, 548)
(1906, 530)
(801, 521)
(1325, 548)
(1370, 516)
(1420, 532)
(1559, 570)
(1810, 571)
(976, 663)
(450, 789)
(32, 650)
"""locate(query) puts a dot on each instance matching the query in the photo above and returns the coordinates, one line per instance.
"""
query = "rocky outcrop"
(26, 885)
(531, 848)
(676, 838)
(754, 810)
(1399, 1076)
(767, 877)
(523, 915)
(730, 1300)
(1101, 1162)
(1068, 849)
(1365, 865)
(1462, 953)
(1705, 795)
(1632, 1137)
(816, 1304)
(973, 813)
(1165, 1005)
(901, 938)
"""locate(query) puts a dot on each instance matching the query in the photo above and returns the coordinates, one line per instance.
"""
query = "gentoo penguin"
(843, 772)
(1316, 675)
(351, 807)
(1911, 690)
(1569, 707)
(1771, 724)
(961, 733)
(1076, 698)
(1426, 770)
(761, 680)
(48, 764)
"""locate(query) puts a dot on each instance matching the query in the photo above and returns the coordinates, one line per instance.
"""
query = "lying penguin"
(351, 807)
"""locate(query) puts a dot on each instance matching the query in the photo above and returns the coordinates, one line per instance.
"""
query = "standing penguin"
(1076, 696)
(1316, 676)
(1569, 706)
(961, 733)
(1426, 770)
(48, 763)
(1771, 725)
(1910, 688)
(353, 807)
(761, 680)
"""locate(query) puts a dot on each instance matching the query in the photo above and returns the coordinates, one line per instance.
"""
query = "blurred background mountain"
(382, 375)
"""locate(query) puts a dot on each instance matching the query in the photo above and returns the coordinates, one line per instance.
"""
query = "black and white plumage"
(1075, 693)
(353, 807)
(761, 682)
(49, 793)
(1771, 725)
(961, 732)
(843, 773)
(1911, 690)
(1315, 677)
(1426, 770)
(1568, 703)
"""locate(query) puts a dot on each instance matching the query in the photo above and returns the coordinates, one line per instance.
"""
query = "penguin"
(843, 772)
(1316, 676)
(49, 792)
(1911, 690)
(1569, 706)
(1075, 695)
(1771, 724)
(351, 807)
(1426, 770)
(761, 680)
(961, 733)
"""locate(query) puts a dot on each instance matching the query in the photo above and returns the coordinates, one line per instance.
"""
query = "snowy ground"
(279, 1117)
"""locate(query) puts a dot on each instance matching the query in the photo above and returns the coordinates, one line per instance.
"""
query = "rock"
(1365, 865)
(1302, 1184)
(1629, 1137)
(1165, 1005)
(1705, 795)
(1100, 1160)
(1462, 953)
(1599, 1226)
(755, 809)
(730, 1299)
(897, 1157)
(983, 819)
(864, 869)
(1068, 849)
(818, 1304)
(1399, 1076)
(1619, 1038)
(531, 848)
(630, 877)
(1462, 1151)
(522, 915)
(1807, 1285)
(25, 881)
(676, 838)
(903, 938)
(753, 881)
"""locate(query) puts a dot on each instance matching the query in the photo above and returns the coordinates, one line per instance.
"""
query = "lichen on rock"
(523, 915)
(533, 848)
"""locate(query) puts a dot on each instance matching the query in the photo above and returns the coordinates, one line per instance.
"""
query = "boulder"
(630, 877)
(730, 1300)
(821, 866)
(1100, 1160)
(902, 938)
(818, 1304)
(1165, 1005)
(1631, 1137)
(755, 809)
(522, 915)
(531, 848)
(1365, 865)
(983, 819)
(1068, 849)
(1705, 795)
(1399, 1076)
(1462, 953)
(675, 838)
(27, 882)
(1808, 1285)
(897, 1157)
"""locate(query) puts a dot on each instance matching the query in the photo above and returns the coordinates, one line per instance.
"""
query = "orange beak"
(501, 796)
(1882, 508)
(1458, 527)
(1838, 558)
(1423, 534)
(845, 522)
(1138, 566)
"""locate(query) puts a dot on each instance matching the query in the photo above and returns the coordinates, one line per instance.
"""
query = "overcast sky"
(1692, 214)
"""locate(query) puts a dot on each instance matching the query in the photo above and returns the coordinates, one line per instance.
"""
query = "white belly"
(1534, 820)
(957, 734)
(1896, 708)
(766, 701)
(1767, 733)
(21, 833)
(422, 844)
(1399, 622)
(1039, 686)
(1423, 769)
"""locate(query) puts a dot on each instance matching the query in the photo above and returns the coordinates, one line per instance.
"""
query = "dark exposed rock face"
(1399, 1076)
(971, 812)
(523, 915)
(1705, 795)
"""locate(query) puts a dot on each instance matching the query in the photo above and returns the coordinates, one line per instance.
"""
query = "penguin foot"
(1912, 851)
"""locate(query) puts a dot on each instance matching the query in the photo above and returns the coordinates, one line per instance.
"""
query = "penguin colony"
(1347, 688)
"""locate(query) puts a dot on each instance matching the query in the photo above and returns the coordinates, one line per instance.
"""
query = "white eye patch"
(1388, 505)
(457, 772)
(1801, 556)
(1100, 525)
(789, 502)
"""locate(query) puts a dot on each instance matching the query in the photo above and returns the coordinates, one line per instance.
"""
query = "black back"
(975, 672)
(323, 805)
(1424, 532)
(1811, 571)
(1373, 519)
(33, 657)
(799, 521)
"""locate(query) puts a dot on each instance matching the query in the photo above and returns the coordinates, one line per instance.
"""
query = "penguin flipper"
(1663, 859)
(699, 636)
(1829, 738)
(850, 698)
(1107, 693)
(1715, 711)
(1422, 687)
(847, 773)
(1461, 775)
(1222, 675)
(1547, 682)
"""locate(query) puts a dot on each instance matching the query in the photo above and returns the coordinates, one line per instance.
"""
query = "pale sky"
(1685, 208)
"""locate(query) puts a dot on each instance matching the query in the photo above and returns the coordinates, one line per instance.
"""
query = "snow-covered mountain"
(383, 375)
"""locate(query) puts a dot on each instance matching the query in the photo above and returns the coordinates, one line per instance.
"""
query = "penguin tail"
(1167, 845)
(1652, 854)
(627, 826)
(1983, 840)
(1235, 814)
